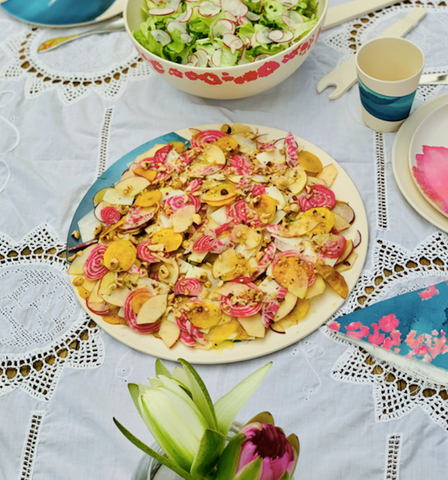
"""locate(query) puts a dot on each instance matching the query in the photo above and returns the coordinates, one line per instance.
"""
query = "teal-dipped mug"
(389, 71)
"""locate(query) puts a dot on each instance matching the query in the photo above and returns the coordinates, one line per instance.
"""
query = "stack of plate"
(420, 161)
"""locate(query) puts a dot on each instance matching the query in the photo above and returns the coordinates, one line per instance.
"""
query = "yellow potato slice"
(166, 236)
(309, 162)
(120, 256)
(324, 218)
(148, 199)
(334, 279)
(203, 314)
(266, 206)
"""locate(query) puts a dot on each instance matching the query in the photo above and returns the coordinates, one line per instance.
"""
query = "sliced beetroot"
(178, 201)
(206, 136)
(109, 215)
(131, 317)
(291, 148)
(306, 263)
(186, 339)
(205, 243)
(333, 246)
(145, 254)
(188, 286)
(136, 217)
(270, 308)
(266, 259)
(94, 268)
(258, 190)
(240, 311)
(345, 211)
(317, 196)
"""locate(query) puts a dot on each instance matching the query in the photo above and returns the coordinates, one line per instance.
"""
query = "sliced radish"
(174, 4)
(222, 27)
(263, 36)
(175, 25)
(345, 211)
(161, 12)
(253, 16)
(101, 309)
(209, 9)
(292, 19)
(287, 37)
(262, 56)
(162, 37)
(358, 239)
(184, 17)
(232, 41)
(235, 7)
(289, 3)
(276, 35)
(203, 57)
(231, 17)
(185, 38)
(194, 60)
(216, 58)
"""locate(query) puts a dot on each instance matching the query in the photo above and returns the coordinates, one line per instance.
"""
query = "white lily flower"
(173, 419)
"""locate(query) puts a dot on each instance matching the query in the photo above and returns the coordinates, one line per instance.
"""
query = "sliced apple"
(344, 210)
(286, 306)
(300, 179)
(170, 265)
(340, 223)
(253, 326)
(169, 332)
(77, 266)
(347, 252)
(213, 155)
(117, 296)
(87, 225)
(99, 196)
(183, 218)
(298, 313)
(114, 197)
(152, 310)
(247, 237)
(94, 296)
(328, 174)
(106, 282)
(132, 186)
(317, 288)
(348, 263)
(292, 273)
(226, 263)
(315, 181)
(276, 194)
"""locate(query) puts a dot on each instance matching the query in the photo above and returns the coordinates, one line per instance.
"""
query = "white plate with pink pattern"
(428, 158)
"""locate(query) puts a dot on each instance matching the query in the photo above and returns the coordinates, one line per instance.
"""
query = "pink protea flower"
(261, 451)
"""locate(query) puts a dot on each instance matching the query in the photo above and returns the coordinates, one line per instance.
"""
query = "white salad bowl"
(225, 83)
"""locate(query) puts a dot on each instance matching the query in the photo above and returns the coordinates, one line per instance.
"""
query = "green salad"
(223, 33)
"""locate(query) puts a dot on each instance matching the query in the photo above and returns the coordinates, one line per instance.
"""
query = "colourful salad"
(223, 33)
(222, 241)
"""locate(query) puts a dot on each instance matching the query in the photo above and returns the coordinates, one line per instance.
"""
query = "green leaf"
(228, 461)
(161, 369)
(295, 444)
(252, 470)
(200, 394)
(134, 391)
(149, 451)
(228, 406)
(263, 417)
(212, 444)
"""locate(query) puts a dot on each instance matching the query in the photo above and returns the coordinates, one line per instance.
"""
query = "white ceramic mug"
(389, 71)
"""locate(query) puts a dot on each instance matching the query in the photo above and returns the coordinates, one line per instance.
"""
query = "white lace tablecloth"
(67, 115)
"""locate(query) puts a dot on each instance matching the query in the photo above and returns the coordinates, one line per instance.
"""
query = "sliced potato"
(120, 255)
(324, 218)
(334, 279)
(166, 236)
(310, 162)
(203, 314)
(148, 199)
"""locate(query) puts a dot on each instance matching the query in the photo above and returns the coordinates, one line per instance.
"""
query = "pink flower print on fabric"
(389, 322)
(426, 345)
(335, 326)
(428, 293)
(431, 174)
(357, 330)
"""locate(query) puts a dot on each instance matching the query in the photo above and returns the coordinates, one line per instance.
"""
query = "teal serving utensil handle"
(112, 26)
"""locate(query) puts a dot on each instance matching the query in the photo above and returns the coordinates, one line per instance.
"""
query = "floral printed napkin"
(413, 325)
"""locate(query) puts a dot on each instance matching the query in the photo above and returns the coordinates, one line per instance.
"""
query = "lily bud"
(259, 452)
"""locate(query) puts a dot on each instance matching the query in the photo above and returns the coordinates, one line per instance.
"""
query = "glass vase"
(150, 469)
